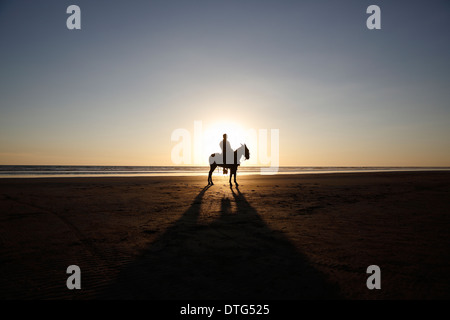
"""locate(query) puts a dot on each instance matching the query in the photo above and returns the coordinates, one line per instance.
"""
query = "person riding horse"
(227, 157)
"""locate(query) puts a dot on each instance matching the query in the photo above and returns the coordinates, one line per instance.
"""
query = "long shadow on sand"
(235, 257)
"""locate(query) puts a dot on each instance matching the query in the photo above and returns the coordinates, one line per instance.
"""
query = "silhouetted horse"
(216, 159)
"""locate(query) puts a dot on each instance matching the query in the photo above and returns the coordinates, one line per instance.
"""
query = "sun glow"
(212, 135)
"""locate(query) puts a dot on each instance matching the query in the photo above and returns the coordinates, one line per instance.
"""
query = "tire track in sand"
(95, 266)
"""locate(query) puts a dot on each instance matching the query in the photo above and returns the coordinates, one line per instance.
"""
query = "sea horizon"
(55, 171)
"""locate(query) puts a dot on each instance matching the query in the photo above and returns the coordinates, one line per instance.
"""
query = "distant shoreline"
(23, 171)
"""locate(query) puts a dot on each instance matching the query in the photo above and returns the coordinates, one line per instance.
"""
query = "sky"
(115, 91)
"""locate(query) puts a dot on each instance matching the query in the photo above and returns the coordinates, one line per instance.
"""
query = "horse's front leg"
(235, 172)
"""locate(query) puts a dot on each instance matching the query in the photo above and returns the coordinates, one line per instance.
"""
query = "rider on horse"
(227, 152)
(228, 159)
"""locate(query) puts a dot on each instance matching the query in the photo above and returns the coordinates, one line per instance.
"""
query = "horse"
(216, 159)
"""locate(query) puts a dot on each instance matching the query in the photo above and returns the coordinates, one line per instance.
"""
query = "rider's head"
(225, 136)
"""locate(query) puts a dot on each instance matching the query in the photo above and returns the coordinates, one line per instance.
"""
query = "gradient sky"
(113, 92)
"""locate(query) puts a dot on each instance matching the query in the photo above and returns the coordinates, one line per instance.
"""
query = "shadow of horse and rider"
(227, 159)
(237, 256)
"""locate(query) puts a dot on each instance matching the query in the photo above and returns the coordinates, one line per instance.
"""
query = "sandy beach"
(274, 237)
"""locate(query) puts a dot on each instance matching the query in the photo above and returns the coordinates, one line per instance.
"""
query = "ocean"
(25, 171)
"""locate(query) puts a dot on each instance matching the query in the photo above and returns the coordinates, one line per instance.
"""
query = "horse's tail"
(212, 158)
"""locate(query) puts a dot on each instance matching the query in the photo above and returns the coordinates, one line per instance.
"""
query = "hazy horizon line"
(256, 166)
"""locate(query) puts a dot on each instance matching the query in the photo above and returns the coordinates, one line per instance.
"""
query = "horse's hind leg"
(232, 172)
(211, 169)
(209, 177)
(235, 172)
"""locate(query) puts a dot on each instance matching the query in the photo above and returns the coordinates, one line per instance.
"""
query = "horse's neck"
(239, 152)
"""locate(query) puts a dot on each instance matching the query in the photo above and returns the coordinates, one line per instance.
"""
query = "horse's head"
(246, 152)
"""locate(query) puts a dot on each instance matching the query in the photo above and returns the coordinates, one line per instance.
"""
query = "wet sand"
(274, 237)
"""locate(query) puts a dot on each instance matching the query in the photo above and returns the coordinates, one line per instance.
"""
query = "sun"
(212, 134)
